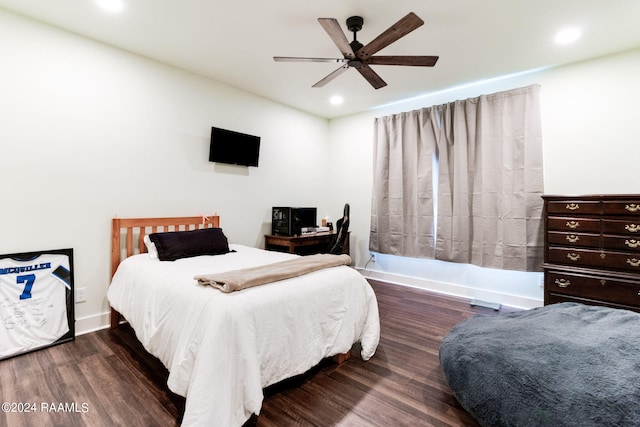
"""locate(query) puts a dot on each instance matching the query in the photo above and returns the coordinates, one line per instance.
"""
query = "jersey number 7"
(28, 280)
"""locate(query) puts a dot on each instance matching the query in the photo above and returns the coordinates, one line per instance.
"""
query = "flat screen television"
(234, 148)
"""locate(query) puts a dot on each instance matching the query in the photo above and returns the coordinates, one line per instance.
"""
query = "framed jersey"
(36, 301)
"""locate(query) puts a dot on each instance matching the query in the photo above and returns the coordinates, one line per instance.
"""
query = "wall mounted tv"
(234, 147)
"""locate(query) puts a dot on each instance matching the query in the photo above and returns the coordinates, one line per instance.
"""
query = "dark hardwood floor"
(106, 378)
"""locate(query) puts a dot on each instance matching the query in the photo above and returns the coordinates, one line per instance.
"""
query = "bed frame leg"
(342, 357)
(115, 319)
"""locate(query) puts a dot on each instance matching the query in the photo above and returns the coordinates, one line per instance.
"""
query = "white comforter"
(222, 349)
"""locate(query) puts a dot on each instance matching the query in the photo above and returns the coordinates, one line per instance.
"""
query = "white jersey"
(33, 302)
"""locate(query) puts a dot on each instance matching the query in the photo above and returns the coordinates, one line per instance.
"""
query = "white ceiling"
(234, 42)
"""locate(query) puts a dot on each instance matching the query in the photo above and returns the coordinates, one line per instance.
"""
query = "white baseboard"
(453, 289)
(93, 323)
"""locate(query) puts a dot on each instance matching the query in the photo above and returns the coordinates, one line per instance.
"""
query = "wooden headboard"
(127, 236)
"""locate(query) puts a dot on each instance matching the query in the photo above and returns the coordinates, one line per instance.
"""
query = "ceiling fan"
(358, 56)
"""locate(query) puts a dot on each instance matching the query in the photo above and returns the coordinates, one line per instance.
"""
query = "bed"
(565, 364)
(223, 348)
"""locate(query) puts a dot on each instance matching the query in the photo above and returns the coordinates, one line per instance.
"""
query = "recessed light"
(336, 100)
(568, 35)
(113, 6)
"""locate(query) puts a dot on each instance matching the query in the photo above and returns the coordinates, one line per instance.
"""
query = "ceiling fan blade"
(374, 79)
(418, 61)
(300, 59)
(401, 28)
(332, 76)
(332, 27)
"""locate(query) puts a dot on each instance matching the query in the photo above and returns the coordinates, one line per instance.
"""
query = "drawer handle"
(572, 238)
(573, 206)
(573, 257)
(563, 283)
(633, 262)
(632, 207)
(633, 228)
(574, 224)
(632, 243)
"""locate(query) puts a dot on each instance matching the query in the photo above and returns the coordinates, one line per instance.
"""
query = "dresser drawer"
(574, 207)
(577, 257)
(601, 288)
(573, 239)
(626, 227)
(573, 224)
(627, 261)
(621, 207)
(553, 298)
(624, 243)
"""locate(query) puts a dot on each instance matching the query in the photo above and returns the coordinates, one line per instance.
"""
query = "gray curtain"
(402, 208)
(489, 167)
(490, 181)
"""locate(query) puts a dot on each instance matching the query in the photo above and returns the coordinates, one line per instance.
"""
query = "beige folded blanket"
(236, 280)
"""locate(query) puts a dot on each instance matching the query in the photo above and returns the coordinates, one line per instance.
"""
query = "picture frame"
(36, 301)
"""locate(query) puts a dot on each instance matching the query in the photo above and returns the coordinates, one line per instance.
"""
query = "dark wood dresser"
(592, 250)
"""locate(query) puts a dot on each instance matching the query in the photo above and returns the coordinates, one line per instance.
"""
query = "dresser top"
(592, 197)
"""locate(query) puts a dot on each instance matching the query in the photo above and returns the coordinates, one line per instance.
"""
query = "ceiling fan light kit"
(359, 56)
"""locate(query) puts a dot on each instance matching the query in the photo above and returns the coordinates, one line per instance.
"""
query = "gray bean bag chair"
(563, 364)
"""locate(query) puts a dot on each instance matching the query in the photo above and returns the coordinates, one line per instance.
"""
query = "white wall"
(591, 143)
(591, 126)
(88, 132)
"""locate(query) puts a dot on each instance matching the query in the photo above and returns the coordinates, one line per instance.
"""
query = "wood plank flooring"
(106, 378)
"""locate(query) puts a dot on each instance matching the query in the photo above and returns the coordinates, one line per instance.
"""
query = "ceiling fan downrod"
(354, 24)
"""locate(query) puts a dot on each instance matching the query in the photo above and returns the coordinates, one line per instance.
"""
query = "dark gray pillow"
(174, 245)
